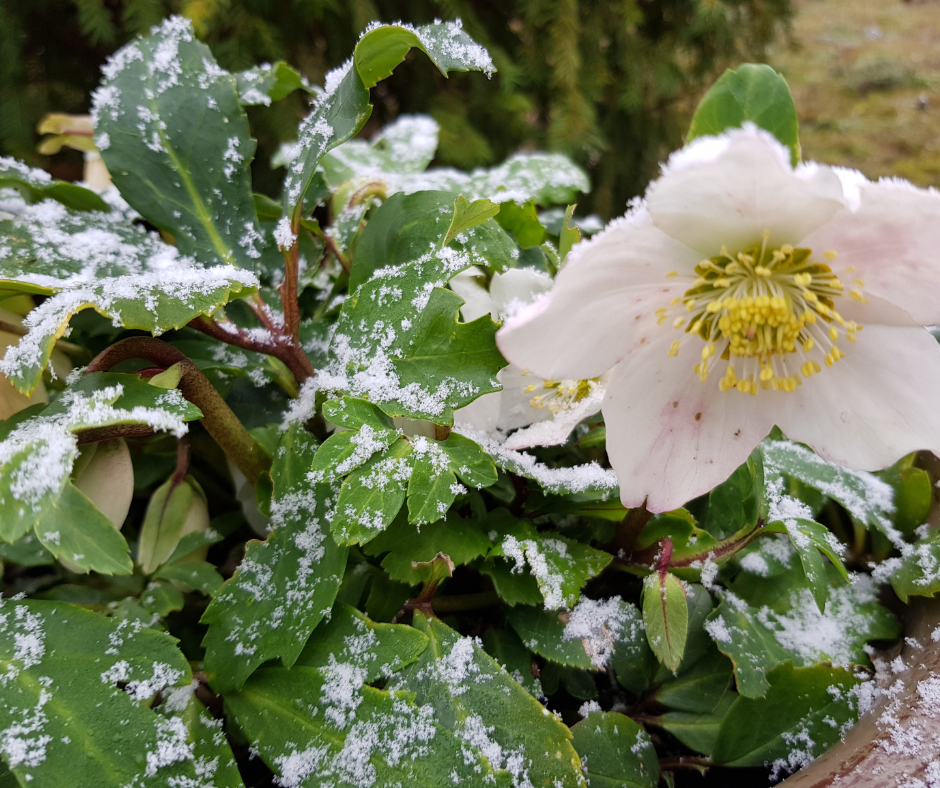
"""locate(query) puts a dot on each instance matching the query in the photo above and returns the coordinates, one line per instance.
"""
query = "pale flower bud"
(11, 401)
(105, 474)
(177, 508)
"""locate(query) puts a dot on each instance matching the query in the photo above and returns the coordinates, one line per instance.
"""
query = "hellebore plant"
(739, 274)
(326, 499)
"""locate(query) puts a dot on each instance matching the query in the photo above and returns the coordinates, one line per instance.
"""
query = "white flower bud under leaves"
(176, 509)
(11, 401)
(105, 474)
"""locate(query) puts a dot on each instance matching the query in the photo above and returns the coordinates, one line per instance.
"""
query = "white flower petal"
(741, 189)
(515, 407)
(477, 302)
(481, 415)
(893, 240)
(556, 430)
(670, 437)
(603, 303)
(874, 406)
(518, 288)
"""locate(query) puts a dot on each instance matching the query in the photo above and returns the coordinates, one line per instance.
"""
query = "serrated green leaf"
(398, 343)
(210, 748)
(431, 490)
(700, 688)
(345, 451)
(559, 565)
(354, 413)
(469, 461)
(697, 731)
(372, 495)
(809, 705)
(616, 752)
(286, 584)
(342, 110)
(161, 599)
(759, 638)
(127, 274)
(170, 127)
(480, 694)
(467, 215)
(735, 504)
(568, 237)
(913, 494)
(27, 551)
(522, 221)
(405, 543)
(350, 638)
(66, 722)
(198, 575)
(918, 573)
(38, 452)
(261, 85)
(754, 93)
(514, 588)
(810, 539)
(543, 633)
(36, 185)
(866, 497)
(507, 649)
(666, 617)
(74, 530)
(312, 735)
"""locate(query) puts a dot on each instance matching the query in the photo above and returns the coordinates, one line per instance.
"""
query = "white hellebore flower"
(543, 412)
(732, 299)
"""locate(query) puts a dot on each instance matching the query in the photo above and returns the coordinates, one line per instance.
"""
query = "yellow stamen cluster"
(559, 395)
(771, 311)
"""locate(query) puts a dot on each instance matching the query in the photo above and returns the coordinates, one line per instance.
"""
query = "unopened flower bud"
(11, 400)
(105, 474)
(176, 509)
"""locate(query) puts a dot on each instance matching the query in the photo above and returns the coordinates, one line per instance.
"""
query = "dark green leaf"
(36, 185)
(616, 752)
(161, 599)
(803, 714)
(286, 584)
(197, 575)
(470, 692)
(754, 93)
(176, 141)
(666, 616)
(350, 638)
(543, 632)
(507, 649)
(697, 731)
(268, 82)
(467, 215)
(522, 221)
(919, 571)
(701, 687)
(810, 540)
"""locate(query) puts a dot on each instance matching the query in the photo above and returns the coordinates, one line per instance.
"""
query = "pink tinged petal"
(603, 303)
(875, 405)
(733, 192)
(518, 288)
(893, 241)
(670, 437)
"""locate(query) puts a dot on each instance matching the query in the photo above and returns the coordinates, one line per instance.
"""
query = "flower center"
(559, 395)
(771, 313)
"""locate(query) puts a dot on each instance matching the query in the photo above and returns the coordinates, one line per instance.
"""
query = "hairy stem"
(287, 351)
(217, 417)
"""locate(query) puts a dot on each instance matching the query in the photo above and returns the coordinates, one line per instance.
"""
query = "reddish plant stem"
(260, 308)
(332, 247)
(289, 291)
(217, 417)
(286, 350)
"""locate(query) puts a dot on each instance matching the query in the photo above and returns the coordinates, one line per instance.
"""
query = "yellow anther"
(529, 388)
(690, 305)
(722, 282)
(713, 307)
(808, 344)
(660, 320)
(766, 234)
(674, 350)
(829, 360)
(766, 374)
(829, 254)
(859, 282)
(675, 301)
(762, 270)
(858, 296)
(678, 322)
(833, 333)
(787, 249)
(672, 274)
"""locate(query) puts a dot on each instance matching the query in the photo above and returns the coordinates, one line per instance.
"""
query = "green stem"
(217, 417)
